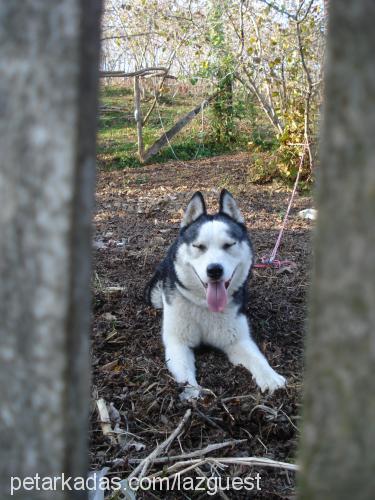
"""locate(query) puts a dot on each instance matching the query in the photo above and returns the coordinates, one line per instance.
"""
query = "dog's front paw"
(269, 380)
(190, 392)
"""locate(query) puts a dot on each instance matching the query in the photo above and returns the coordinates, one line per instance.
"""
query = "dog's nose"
(215, 271)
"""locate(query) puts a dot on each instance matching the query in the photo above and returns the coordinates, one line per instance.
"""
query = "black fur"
(165, 272)
(221, 201)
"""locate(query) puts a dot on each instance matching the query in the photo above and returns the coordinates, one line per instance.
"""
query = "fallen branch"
(115, 109)
(159, 70)
(126, 37)
(188, 465)
(192, 454)
(105, 421)
(146, 462)
(177, 127)
(220, 492)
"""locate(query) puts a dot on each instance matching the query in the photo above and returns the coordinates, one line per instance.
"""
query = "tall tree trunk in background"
(48, 91)
(338, 443)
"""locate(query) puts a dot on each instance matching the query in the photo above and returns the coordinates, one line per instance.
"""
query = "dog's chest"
(196, 325)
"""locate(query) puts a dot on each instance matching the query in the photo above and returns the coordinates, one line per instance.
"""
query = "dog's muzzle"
(215, 271)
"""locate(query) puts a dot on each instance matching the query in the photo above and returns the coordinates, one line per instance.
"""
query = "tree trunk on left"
(48, 93)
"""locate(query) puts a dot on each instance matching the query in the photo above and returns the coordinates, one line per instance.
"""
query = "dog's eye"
(226, 246)
(202, 248)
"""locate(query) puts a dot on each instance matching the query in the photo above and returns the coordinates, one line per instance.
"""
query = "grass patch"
(117, 138)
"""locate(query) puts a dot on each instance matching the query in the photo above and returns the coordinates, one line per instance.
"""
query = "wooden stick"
(105, 421)
(220, 492)
(192, 454)
(138, 117)
(144, 465)
(177, 127)
(250, 461)
(139, 72)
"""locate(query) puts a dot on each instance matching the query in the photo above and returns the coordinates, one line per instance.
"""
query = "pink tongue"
(216, 295)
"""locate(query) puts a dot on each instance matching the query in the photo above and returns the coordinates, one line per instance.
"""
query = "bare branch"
(135, 35)
(192, 454)
(146, 462)
(140, 72)
(279, 9)
(177, 127)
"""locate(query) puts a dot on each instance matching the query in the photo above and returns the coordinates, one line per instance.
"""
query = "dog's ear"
(229, 207)
(195, 209)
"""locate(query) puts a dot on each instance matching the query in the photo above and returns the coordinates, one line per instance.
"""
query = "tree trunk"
(138, 117)
(338, 443)
(262, 99)
(48, 92)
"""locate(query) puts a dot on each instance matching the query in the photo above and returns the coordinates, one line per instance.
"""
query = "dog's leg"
(178, 334)
(245, 352)
(181, 363)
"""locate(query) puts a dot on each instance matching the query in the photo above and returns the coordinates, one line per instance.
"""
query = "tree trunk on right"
(338, 443)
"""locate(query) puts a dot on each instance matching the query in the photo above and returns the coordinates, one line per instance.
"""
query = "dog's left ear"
(195, 209)
(229, 207)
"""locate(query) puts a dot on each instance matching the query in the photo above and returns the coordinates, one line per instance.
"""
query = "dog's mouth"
(226, 283)
(216, 293)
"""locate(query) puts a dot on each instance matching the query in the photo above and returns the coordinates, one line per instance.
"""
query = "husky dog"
(201, 285)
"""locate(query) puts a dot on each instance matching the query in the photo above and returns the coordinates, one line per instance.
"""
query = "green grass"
(117, 144)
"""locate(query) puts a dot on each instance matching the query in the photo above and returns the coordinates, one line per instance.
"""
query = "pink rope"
(270, 261)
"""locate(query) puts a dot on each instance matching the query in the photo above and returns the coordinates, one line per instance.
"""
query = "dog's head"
(214, 254)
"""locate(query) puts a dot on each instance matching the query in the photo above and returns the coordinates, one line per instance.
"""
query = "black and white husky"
(201, 285)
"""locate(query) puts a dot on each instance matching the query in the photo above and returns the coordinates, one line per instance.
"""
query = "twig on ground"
(244, 396)
(226, 409)
(209, 420)
(224, 462)
(105, 421)
(219, 492)
(193, 454)
(146, 462)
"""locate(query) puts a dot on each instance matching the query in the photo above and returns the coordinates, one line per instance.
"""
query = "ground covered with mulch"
(137, 217)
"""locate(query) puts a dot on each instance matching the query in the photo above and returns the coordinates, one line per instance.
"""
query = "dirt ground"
(137, 216)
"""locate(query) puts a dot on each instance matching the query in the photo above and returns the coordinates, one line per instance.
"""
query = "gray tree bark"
(48, 91)
(138, 117)
(338, 443)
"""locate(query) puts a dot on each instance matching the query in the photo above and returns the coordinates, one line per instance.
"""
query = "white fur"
(187, 321)
(236, 261)
(186, 325)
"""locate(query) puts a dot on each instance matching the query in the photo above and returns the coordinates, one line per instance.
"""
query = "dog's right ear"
(195, 209)
(229, 207)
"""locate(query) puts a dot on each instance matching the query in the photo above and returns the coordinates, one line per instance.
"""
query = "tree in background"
(264, 52)
(281, 66)
(220, 68)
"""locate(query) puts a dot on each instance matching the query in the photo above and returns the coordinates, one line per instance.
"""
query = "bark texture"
(48, 92)
(338, 443)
